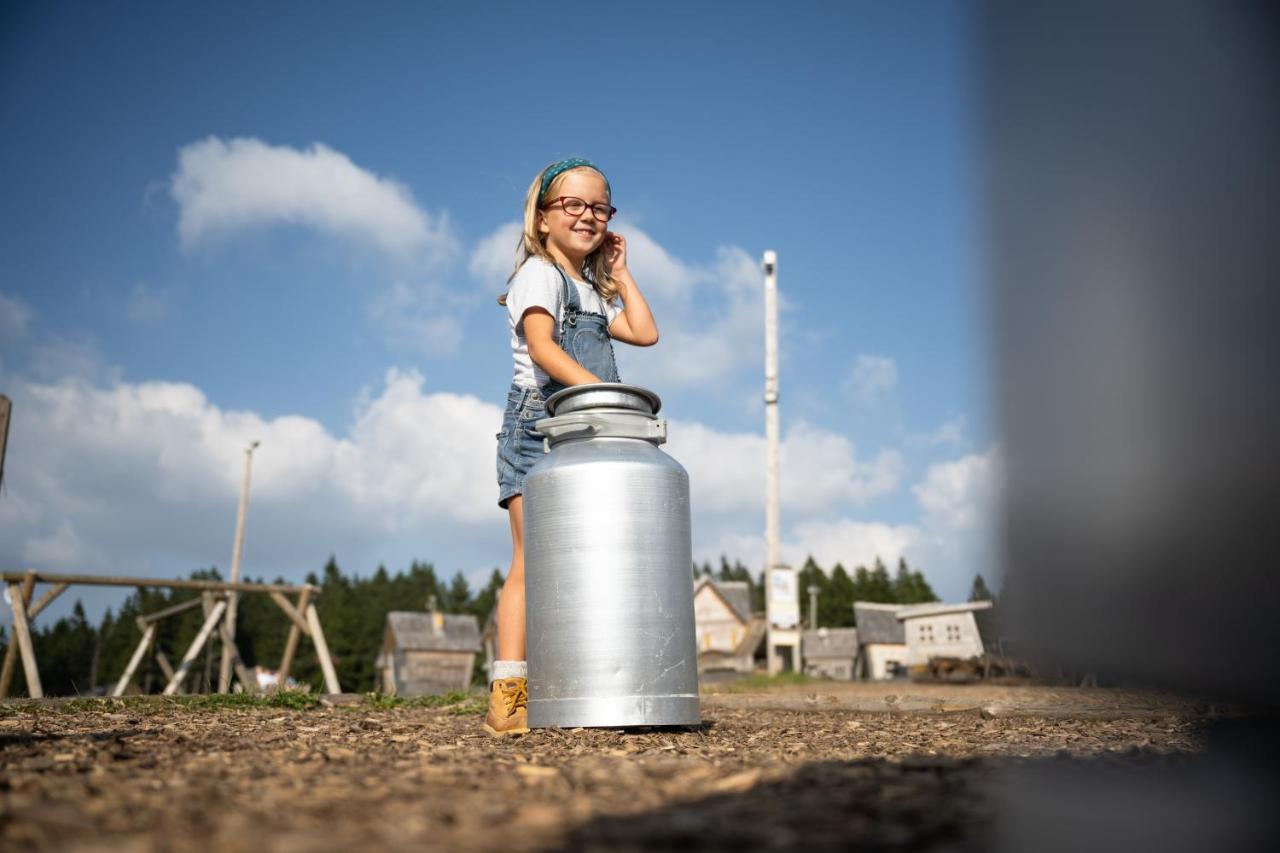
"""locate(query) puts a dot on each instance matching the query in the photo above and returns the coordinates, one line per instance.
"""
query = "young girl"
(571, 292)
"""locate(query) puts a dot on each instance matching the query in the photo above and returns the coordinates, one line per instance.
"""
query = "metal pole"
(771, 523)
(813, 607)
(224, 672)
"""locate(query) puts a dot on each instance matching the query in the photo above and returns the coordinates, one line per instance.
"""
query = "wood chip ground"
(828, 773)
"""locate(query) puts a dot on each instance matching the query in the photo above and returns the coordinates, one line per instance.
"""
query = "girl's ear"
(543, 228)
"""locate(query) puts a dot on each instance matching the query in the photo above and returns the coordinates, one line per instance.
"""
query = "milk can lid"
(603, 395)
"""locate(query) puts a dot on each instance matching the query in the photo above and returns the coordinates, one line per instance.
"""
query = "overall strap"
(569, 300)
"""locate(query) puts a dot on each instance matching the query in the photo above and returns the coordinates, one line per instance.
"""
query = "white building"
(882, 645)
(947, 630)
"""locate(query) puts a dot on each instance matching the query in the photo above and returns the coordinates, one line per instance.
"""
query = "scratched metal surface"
(608, 592)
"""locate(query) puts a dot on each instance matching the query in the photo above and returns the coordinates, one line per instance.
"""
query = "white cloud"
(15, 317)
(662, 278)
(494, 257)
(871, 376)
(819, 469)
(960, 505)
(144, 478)
(951, 540)
(849, 542)
(952, 432)
(707, 341)
(147, 304)
(846, 541)
(222, 186)
(960, 494)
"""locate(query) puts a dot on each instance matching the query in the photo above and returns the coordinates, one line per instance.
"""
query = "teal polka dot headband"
(549, 174)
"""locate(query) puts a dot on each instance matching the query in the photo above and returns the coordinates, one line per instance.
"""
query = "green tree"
(911, 587)
(881, 588)
(835, 609)
(979, 591)
(457, 596)
(486, 599)
(812, 575)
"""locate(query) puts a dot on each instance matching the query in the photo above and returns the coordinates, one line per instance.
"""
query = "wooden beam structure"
(247, 681)
(210, 622)
(214, 595)
(292, 612)
(11, 653)
(106, 580)
(295, 632)
(170, 611)
(148, 635)
(22, 639)
(322, 651)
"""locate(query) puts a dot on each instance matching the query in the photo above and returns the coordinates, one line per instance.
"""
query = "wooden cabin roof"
(830, 643)
(736, 594)
(878, 623)
(416, 632)
(754, 637)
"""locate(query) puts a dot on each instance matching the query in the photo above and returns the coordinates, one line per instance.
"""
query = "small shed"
(947, 630)
(882, 641)
(727, 632)
(427, 653)
(830, 652)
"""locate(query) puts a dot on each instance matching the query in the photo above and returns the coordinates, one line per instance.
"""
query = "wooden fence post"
(11, 653)
(196, 645)
(22, 636)
(247, 680)
(123, 684)
(322, 651)
(295, 631)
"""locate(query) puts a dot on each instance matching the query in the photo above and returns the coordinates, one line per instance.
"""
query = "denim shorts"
(519, 444)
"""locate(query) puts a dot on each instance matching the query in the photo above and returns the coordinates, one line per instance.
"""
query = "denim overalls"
(585, 337)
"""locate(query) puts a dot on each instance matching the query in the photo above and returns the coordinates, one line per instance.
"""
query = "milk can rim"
(555, 400)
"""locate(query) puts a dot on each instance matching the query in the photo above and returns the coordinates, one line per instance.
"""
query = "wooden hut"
(427, 653)
(830, 652)
(728, 634)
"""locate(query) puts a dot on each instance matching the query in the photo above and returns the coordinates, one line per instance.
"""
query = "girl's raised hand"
(615, 252)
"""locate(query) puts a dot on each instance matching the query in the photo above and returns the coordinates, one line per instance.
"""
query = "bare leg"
(511, 641)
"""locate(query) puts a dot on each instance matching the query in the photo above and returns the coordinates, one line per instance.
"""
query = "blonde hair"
(533, 244)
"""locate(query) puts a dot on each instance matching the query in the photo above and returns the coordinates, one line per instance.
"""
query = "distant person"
(570, 293)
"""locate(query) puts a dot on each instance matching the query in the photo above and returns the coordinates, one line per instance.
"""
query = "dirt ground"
(818, 767)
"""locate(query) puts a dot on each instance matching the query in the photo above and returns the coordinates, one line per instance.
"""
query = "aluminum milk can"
(608, 567)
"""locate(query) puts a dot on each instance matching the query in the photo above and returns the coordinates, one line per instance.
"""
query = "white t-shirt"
(537, 284)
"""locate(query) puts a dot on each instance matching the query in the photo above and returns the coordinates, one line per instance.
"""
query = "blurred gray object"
(1133, 159)
(1133, 167)
(608, 557)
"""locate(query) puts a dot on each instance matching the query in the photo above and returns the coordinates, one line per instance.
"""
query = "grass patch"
(760, 681)
(289, 700)
(451, 701)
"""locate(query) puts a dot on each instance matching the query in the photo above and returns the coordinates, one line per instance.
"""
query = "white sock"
(510, 669)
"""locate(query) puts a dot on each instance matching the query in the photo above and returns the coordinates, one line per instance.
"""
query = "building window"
(926, 633)
(953, 633)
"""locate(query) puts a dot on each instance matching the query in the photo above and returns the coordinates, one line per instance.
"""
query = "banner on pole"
(784, 597)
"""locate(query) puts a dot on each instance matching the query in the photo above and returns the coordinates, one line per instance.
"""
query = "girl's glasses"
(575, 206)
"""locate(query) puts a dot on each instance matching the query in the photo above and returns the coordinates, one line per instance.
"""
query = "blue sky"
(290, 223)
